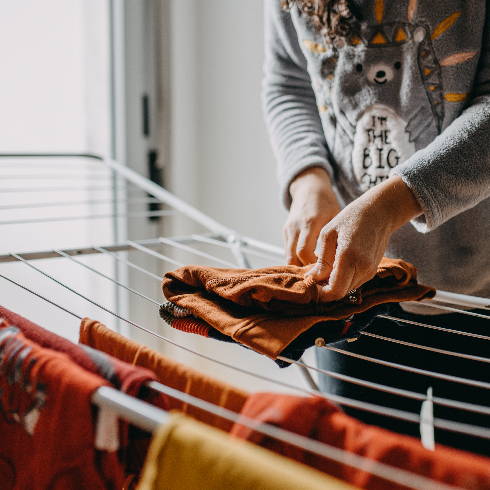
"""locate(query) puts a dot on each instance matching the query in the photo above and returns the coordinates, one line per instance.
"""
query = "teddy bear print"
(384, 85)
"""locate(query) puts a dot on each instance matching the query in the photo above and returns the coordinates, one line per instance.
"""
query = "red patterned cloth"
(47, 424)
(121, 375)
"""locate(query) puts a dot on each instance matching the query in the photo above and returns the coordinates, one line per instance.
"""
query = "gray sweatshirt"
(408, 93)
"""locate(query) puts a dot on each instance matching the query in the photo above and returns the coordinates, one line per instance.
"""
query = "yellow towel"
(188, 455)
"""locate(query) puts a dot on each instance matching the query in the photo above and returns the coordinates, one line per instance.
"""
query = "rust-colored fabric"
(317, 419)
(169, 372)
(266, 309)
(46, 421)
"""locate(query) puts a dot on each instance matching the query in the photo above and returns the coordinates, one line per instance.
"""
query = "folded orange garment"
(266, 309)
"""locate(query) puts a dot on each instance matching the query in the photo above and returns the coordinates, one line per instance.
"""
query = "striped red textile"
(191, 325)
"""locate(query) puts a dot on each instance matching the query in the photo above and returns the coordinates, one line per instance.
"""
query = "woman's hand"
(314, 205)
(353, 243)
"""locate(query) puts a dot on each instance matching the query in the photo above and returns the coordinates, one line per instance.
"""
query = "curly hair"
(332, 18)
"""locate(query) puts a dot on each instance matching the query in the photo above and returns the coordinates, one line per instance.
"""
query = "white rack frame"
(240, 246)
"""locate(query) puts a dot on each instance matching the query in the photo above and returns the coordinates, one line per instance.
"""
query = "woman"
(379, 115)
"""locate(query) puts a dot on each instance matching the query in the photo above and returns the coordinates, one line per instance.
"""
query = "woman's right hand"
(314, 205)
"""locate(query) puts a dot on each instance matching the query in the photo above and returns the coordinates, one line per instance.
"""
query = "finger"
(325, 262)
(359, 282)
(306, 244)
(342, 280)
(290, 246)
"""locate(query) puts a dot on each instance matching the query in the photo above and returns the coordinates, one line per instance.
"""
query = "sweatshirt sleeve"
(289, 102)
(452, 174)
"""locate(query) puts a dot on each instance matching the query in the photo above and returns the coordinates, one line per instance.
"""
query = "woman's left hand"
(353, 243)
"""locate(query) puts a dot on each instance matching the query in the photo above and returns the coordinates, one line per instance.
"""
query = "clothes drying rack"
(220, 239)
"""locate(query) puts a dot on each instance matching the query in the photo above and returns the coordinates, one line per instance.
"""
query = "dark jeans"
(422, 359)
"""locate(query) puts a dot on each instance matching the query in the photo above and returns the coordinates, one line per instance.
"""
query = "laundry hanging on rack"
(55, 410)
(132, 444)
(312, 417)
(395, 436)
(268, 309)
(47, 427)
(188, 455)
(318, 419)
(169, 372)
(103, 328)
(192, 460)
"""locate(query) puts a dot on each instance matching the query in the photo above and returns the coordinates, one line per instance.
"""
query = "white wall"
(221, 158)
(54, 98)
